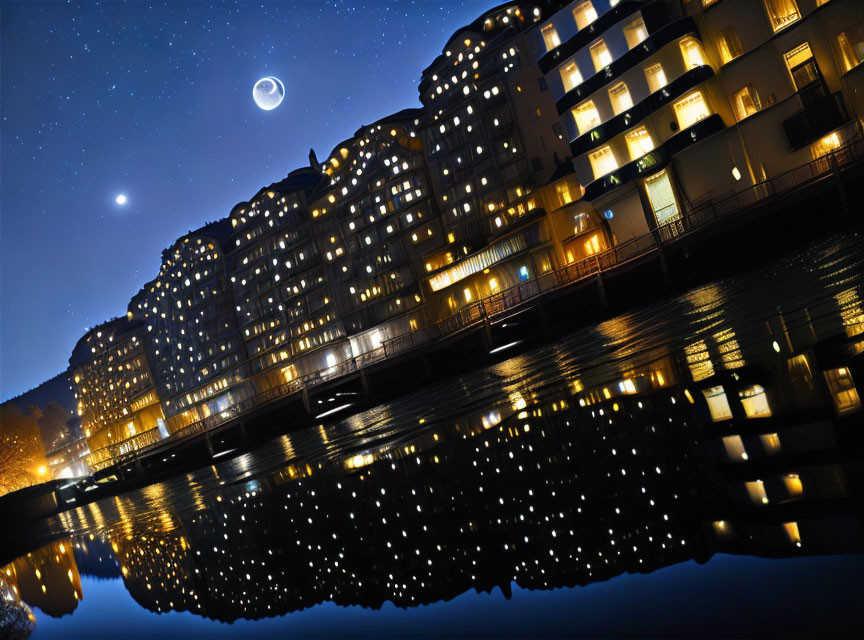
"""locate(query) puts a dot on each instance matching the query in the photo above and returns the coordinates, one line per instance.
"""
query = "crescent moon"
(276, 81)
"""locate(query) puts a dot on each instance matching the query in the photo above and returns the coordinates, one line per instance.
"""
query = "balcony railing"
(815, 120)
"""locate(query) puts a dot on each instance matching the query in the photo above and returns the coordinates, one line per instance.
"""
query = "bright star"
(120, 199)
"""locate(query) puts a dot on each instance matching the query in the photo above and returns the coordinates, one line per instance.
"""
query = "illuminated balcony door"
(806, 75)
(661, 195)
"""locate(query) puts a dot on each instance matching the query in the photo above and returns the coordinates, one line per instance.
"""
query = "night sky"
(154, 101)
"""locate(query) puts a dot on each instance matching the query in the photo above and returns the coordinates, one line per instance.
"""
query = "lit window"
(721, 527)
(603, 161)
(755, 402)
(781, 13)
(550, 37)
(692, 52)
(619, 95)
(570, 76)
(792, 532)
(600, 55)
(756, 491)
(770, 442)
(592, 245)
(746, 102)
(691, 109)
(793, 484)
(802, 67)
(662, 199)
(735, 448)
(843, 390)
(586, 117)
(852, 46)
(728, 45)
(635, 32)
(825, 146)
(580, 222)
(718, 404)
(639, 142)
(656, 77)
(584, 14)
(563, 191)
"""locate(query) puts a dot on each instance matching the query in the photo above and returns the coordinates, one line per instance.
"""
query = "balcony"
(816, 120)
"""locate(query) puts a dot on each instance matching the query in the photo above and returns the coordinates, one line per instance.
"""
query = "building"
(373, 218)
(668, 105)
(68, 453)
(492, 137)
(275, 270)
(200, 361)
(117, 400)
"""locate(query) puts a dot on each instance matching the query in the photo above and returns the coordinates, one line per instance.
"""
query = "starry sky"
(154, 101)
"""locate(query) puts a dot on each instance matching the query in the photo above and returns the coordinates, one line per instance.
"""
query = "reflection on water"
(725, 420)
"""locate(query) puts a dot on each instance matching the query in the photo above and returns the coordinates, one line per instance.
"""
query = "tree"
(21, 454)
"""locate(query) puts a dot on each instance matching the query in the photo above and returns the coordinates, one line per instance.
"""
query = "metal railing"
(705, 214)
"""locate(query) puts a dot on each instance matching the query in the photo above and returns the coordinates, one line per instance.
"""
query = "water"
(600, 485)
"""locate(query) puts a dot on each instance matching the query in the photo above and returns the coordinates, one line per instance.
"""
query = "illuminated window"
(801, 66)
(852, 46)
(584, 14)
(592, 245)
(755, 402)
(718, 404)
(756, 491)
(586, 117)
(843, 390)
(770, 442)
(721, 528)
(570, 76)
(691, 109)
(550, 37)
(692, 52)
(603, 161)
(600, 55)
(662, 199)
(793, 484)
(619, 95)
(656, 77)
(635, 32)
(825, 146)
(782, 13)
(735, 448)
(639, 142)
(792, 533)
(728, 45)
(563, 191)
(746, 102)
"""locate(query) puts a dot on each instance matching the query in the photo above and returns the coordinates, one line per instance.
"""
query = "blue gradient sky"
(154, 100)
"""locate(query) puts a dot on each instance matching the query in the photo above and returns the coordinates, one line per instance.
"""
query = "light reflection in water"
(674, 433)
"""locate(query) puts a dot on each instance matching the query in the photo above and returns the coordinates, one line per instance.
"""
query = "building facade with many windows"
(200, 360)
(117, 399)
(669, 104)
